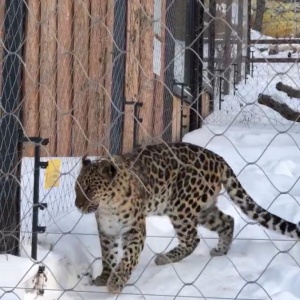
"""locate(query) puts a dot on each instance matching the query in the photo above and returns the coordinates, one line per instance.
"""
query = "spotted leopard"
(179, 180)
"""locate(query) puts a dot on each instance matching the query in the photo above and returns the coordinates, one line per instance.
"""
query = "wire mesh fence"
(100, 78)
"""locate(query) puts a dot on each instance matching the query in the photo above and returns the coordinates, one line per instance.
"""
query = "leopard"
(179, 180)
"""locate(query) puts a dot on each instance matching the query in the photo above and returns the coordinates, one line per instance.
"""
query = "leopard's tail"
(249, 207)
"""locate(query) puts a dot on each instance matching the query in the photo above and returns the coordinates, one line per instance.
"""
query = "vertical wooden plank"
(31, 72)
(146, 90)
(100, 72)
(98, 36)
(48, 75)
(132, 70)
(64, 77)
(80, 75)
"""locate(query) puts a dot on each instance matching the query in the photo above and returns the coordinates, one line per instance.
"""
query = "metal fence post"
(9, 127)
(211, 47)
(169, 72)
(196, 9)
(247, 67)
(36, 188)
(118, 76)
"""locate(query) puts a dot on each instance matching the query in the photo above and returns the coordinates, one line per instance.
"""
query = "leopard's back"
(174, 173)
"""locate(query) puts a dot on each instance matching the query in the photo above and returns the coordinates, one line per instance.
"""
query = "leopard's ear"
(108, 169)
(85, 161)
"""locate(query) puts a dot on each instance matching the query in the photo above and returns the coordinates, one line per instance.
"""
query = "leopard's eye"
(87, 190)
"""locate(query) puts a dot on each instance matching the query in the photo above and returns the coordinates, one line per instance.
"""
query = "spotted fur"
(179, 180)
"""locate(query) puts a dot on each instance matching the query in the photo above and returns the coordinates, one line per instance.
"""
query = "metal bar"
(136, 121)
(9, 127)
(181, 109)
(247, 69)
(35, 209)
(240, 40)
(169, 72)
(235, 72)
(211, 44)
(196, 11)
(275, 41)
(199, 43)
(227, 48)
(118, 76)
(192, 70)
(220, 92)
(275, 59)
(252, 64)
(36, 140)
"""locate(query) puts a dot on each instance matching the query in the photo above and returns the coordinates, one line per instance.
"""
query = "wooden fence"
(67, 75)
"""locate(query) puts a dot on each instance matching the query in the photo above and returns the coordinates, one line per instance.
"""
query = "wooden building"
(68, 81)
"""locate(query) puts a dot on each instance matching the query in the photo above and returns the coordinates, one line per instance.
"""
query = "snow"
(263, 150)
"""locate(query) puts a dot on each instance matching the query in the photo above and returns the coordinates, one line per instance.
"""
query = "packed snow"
(263, 150)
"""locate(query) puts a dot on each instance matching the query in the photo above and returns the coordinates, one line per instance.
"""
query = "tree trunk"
(260, 9)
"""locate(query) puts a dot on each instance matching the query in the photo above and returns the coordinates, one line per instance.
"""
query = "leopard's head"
(93, 184)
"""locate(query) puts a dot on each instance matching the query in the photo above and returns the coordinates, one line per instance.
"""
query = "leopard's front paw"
(102, 279)
(162, 259)
(115, 283)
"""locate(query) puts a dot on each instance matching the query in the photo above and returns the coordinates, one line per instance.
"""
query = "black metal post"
(240, 40)
(35, 209)
(9, 127)
(118, 76)
(36, 192)
(220, 92)
(252, 63)
(169, 71)
(211, 45)
(235, 75)
(196, 13)
(247, 69)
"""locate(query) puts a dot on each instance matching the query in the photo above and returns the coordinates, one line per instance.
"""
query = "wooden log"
(146, 76)
(80, 76)
(284, 110)
(64, 77)
(132, 71)
(31, 72)
(290, 91)
(48, 46)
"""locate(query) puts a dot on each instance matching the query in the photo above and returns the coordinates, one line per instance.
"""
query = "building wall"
(67, 74)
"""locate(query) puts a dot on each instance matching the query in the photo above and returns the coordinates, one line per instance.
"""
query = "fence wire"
(100, 78)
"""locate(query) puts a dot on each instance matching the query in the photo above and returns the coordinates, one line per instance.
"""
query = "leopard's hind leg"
(214, 219)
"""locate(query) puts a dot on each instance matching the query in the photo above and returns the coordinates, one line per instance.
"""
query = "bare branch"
(291, 92)
(284, 110)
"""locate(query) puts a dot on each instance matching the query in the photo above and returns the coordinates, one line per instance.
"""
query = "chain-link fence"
(98, 78)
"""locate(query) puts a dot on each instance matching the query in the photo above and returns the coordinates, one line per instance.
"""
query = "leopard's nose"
(78, 203)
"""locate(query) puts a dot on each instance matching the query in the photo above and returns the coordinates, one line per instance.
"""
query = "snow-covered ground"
(262, 148)
(256, 267)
